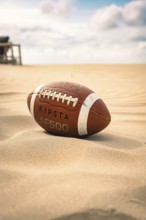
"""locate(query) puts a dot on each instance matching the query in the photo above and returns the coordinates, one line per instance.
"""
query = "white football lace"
(58, 96)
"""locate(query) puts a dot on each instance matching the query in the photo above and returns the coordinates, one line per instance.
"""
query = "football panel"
(100, 108)
(99, 117)
(96, 123)
(56, 120)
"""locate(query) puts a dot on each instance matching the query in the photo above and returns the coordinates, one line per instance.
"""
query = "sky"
(76, 31)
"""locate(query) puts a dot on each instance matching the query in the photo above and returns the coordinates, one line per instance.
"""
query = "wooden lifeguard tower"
(7, 54)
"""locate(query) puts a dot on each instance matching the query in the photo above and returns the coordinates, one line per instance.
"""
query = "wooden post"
(20, 59)
(13, 59)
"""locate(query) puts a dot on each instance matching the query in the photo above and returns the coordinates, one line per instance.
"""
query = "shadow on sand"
(97, 214)
(115, 141)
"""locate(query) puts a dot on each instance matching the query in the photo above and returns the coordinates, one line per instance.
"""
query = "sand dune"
(101, 177)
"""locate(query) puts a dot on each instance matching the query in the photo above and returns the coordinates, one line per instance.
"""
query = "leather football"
(68, 109)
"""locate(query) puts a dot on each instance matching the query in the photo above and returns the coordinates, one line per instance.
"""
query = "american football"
(68, 109)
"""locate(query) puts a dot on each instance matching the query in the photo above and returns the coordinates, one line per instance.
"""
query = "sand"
(102, 177)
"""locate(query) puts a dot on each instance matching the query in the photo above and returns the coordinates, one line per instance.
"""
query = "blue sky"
(80, 3)
(76, 31)
(100, 3)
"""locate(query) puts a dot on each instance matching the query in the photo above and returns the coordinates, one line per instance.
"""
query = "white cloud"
(107, 17)
(113, 16)
(137, 34)
(134, 13)
(17, 4)
(57, 7)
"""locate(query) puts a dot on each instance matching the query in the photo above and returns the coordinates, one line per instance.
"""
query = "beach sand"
(102, 177)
